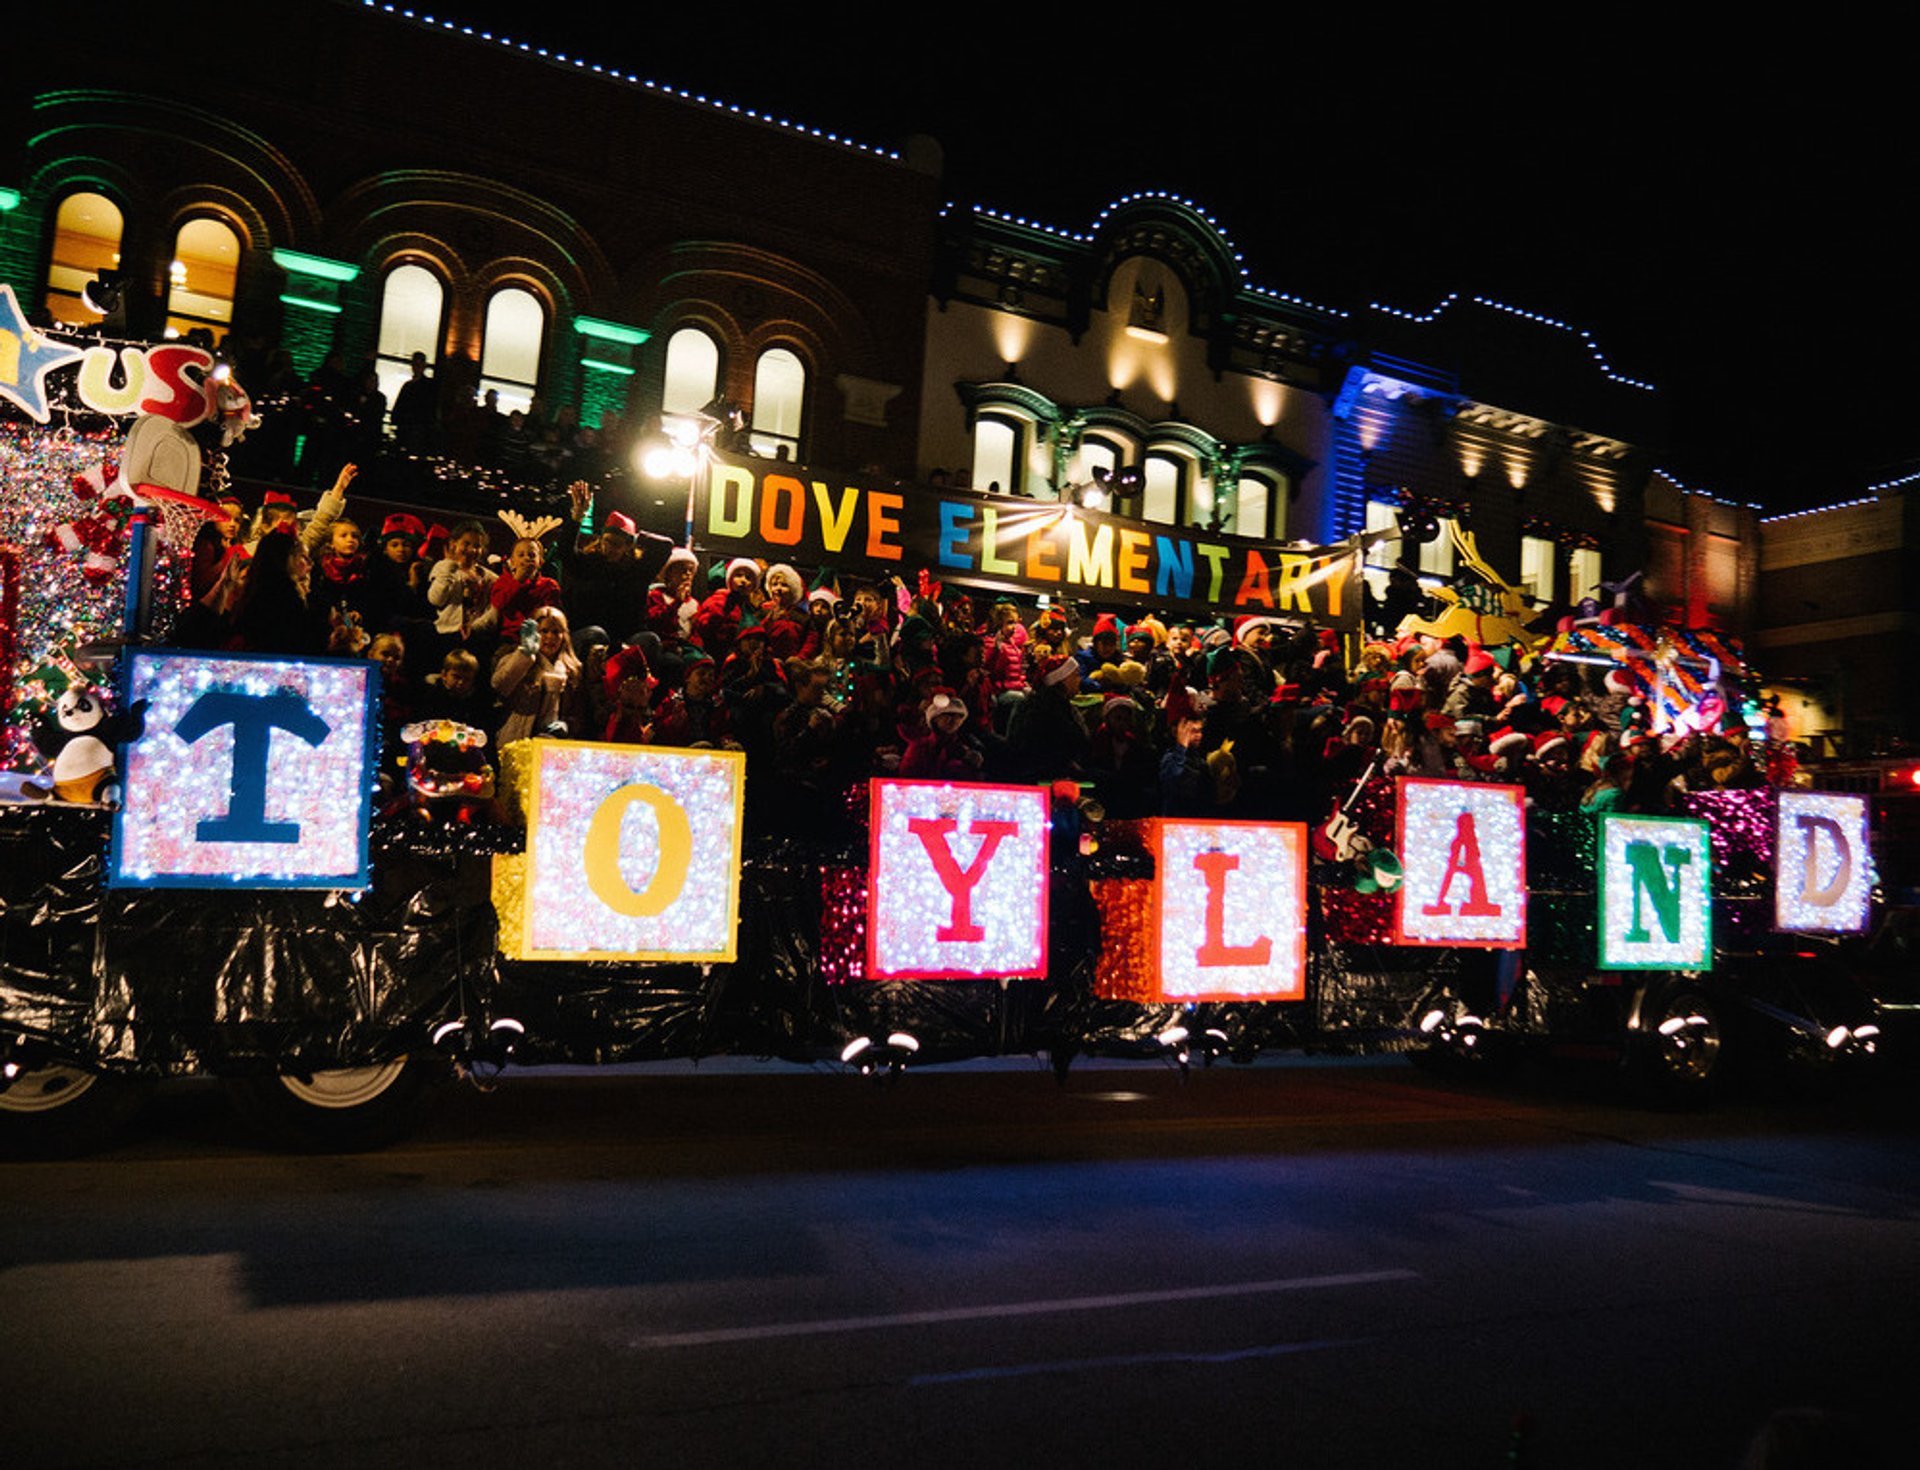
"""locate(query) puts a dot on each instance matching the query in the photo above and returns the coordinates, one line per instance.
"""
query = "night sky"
(1720, 211)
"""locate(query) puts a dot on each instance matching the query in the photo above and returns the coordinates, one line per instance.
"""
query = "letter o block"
(633, 853)
(958, 881)
(1230, 904)
(1823, 867)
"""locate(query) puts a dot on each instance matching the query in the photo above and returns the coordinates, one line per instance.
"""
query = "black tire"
(57, 1112)
(1678, 1052)
(345, 1110)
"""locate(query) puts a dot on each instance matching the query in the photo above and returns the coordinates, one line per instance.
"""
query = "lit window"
(86, 241)
(201, 277)
(1384, 554)
(510, 351)
(410, 307)
(1095, 454)
(1165, 476)
(779, 395)
(997, 454)
(1585, 575)
(1436, 556)
(1253, 508)
(693, 372)
(1536, 568)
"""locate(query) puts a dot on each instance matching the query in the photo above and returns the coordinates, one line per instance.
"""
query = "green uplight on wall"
(317, 267)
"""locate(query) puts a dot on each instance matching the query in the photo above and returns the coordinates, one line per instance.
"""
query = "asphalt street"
(1332, 1264)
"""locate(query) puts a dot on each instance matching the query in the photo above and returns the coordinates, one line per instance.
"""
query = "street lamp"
(682, 452)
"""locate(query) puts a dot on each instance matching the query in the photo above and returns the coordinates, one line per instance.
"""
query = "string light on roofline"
(1085, 238)
(1685, 489)
(1789, 515)
(614, 74)
(1586, 337)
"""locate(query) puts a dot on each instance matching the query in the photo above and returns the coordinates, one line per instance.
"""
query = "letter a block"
(251, 773)
(633, 853)
(1656, 893)
(958, 881)
(1463, 854)
(1823, 868)
(1230, 905)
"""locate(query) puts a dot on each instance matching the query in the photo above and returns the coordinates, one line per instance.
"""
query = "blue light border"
(369, 770)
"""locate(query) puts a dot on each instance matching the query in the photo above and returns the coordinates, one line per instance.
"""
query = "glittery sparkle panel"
(1463, 851)
(1825, 872)
(633, 853)
(843, 925)
(1353, 917)
(1655, 887)
(1231, 906)
(60, 602)
(987, 895)
(1125, 970)
(299, 791)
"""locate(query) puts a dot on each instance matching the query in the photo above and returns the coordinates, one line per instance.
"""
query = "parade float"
(198, 881)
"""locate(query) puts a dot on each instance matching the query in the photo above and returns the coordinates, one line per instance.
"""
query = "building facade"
(360, 187)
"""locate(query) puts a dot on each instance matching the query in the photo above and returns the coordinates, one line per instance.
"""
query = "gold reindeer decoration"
(1489, 612)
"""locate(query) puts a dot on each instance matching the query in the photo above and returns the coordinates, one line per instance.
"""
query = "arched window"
(1253, 509)
(411, 302)
(1166, 477)
(510, 351)
(1096, 453)
(999, 451)
(86, 241)
(779, 398)
(693, 372)
(201, 278)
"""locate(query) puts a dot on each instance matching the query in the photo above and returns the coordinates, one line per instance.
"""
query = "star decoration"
(26, 358)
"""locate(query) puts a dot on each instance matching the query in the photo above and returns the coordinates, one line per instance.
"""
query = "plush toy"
(78, 735)
(447, 770)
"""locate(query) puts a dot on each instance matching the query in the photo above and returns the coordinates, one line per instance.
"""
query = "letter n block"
(1656, 893)
(1230, 905)
(633, 853)
(958, 881)
(250, 772)
(1463, 855)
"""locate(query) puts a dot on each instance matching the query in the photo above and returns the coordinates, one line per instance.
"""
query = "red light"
(1914, 775)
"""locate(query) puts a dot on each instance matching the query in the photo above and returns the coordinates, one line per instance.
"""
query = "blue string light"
(680, 93)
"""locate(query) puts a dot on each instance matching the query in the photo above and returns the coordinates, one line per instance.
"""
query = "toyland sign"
(170, 380)
(256, 773)
(1018, 545)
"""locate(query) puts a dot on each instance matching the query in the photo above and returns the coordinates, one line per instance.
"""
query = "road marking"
(1134, 1360)
(988, 1312)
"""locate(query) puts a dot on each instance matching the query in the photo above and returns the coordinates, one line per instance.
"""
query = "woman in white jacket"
(540, 681)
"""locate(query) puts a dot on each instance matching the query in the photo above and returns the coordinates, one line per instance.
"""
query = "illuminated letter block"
(958, 886)
(252, 773)
(1230, 904)
(633, 853)
(1823, 867)
(1656, 893)
(1463, 853)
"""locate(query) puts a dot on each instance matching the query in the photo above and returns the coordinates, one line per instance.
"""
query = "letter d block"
(633, 853)
(957, 886)
(1823, 866)
(250, 773)
(1230, 909)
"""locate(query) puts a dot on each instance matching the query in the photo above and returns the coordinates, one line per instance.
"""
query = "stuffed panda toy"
(78, 735)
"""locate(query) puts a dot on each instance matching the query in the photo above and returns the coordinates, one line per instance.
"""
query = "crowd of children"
(823, 684)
